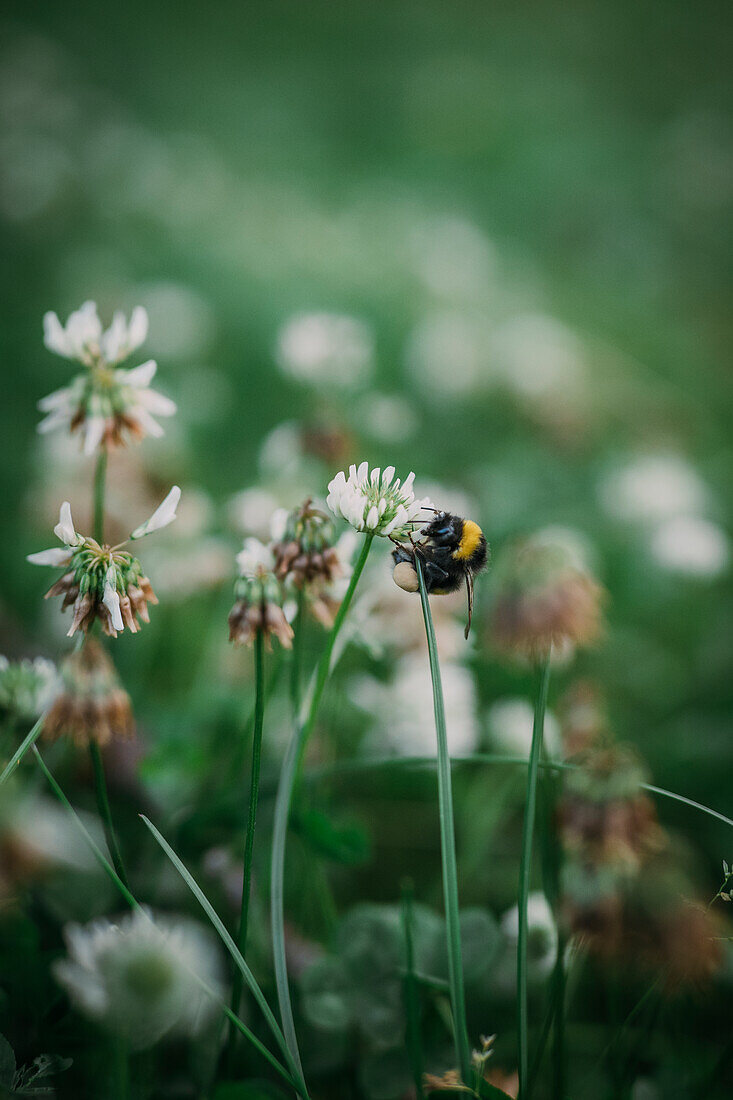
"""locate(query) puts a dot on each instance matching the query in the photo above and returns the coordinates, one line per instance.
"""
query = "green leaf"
(7, 1062)
(488, 1091)
(348, 844)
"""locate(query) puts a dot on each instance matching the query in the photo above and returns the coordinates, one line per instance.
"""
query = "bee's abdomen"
(472, 544)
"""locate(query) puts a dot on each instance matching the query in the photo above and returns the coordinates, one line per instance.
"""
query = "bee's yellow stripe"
(470, 539)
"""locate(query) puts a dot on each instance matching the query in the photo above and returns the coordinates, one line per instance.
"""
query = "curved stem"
(286, 786)
(447, 845)
(524, 873)
(28, 742)
(254, 786)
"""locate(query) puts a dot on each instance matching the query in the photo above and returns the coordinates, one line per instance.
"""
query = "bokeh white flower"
(28, 687)
(542, 934)
(510, 722)
(136, 977)
(105, 403)
(652, 488)
(692, 546)
(402, 709)
(375, 501)
(254, 557)
(327, 348)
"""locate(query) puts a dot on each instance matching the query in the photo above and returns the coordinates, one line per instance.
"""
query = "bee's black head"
(444, 530)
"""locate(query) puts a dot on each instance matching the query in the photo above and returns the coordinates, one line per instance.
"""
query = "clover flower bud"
(105, 403)
(305, 558)
(92, 705)
(259, 599)
(544, 598)
(103, 582)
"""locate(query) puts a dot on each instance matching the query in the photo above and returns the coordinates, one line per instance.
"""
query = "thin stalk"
(296, 658)
(558, 1036)
(525, 868)
(28, 743)
(100, 782)
(259, 715)
(286, 786)
(411, 995)
(100, 478)
(447, 845)
(135, 905)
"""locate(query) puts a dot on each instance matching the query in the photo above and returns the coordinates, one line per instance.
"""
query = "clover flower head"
(307, 560)
(375, 501)
(92, 706)
(259, 598)
(106, 403)
(103, 582)
(137, 977)
(27, 687)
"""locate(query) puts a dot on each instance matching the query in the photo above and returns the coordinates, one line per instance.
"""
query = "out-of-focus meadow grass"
(527, 207)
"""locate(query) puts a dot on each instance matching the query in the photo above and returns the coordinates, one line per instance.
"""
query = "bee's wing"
(469, 591)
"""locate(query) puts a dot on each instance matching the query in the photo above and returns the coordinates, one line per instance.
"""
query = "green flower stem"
(100, 783)
(100, 787)
(296, 658)
(286, 786)
(28, 743)
(447, 845)
(135, 905)
(524, 873)
(259, 715)
(100, 478)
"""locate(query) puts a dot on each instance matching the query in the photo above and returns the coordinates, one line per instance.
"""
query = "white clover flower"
(691, 546)
(136, 977)
(106, 403)
(542, 933)
(326, 347)
(374, 501)
(27, 688)
(104, 582)
(254, 558)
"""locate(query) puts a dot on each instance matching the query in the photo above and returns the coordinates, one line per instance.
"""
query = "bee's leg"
(435, 577)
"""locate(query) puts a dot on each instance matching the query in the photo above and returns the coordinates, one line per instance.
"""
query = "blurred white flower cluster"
(402, 709)
(375, 501)
(138, 977)
(106, 403)
(327, 348)
(665, 495)
(27, 688)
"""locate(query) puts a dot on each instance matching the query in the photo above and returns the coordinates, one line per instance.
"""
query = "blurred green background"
(527, 210)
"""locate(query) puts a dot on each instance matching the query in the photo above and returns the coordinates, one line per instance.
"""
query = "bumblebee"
(451, 553)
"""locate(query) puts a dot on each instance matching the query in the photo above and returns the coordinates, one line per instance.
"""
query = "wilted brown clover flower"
(544, 598)
(103, 582)
(306, 559)
(259, 599)
(92, 705)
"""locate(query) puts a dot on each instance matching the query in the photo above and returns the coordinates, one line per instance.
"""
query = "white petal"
(372, 518)
(407, 487)
(138, 329)
(387, 476)
(146, 422)
(141, 376)
(57, 400)
(111, 599)
(156, 403)
(54, 335)
(374, 477)
(164, 514)
(94, 428)
(54, 420)
(363, 472)
(114, 341)
(64, 529)
(54, 556)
